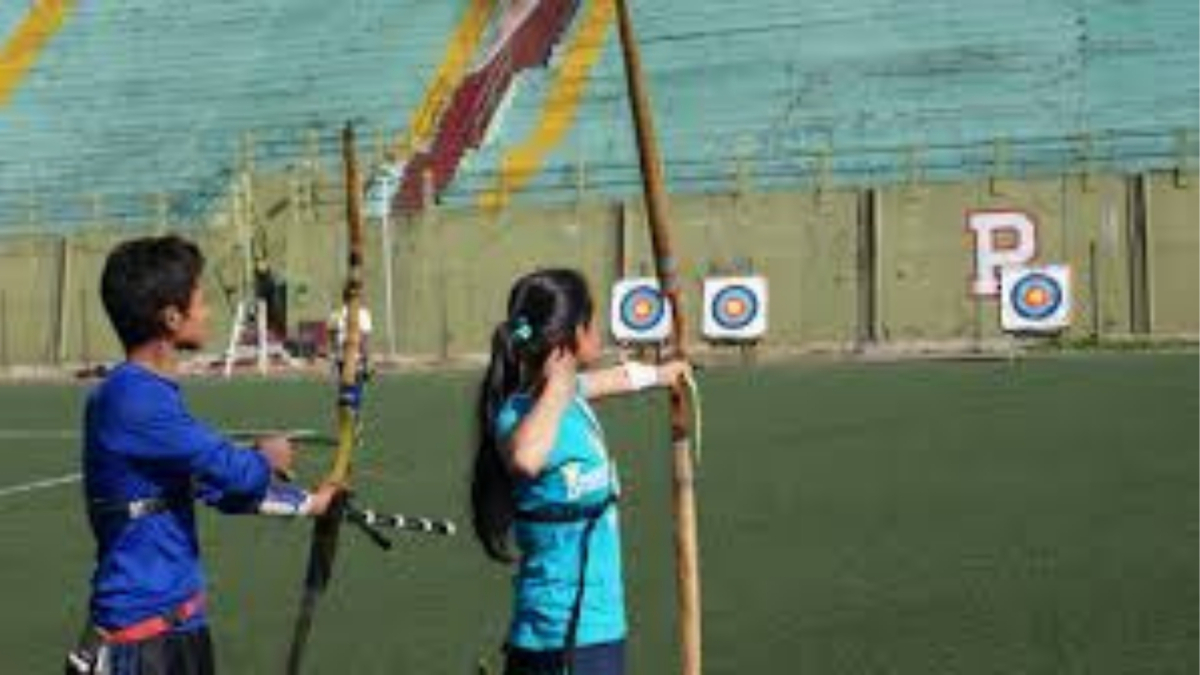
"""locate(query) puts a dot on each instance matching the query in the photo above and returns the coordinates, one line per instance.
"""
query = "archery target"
(735, 308)
(639, 313)
(1035, 299)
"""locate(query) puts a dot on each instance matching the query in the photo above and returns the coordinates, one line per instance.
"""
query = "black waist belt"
(566, 513)
(572, 513)
(137, 508)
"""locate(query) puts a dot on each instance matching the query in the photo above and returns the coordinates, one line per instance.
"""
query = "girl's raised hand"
(672, 372)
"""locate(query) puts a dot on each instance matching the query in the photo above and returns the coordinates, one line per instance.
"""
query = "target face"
(1036, 298)
(642, 308)
(639, 313)
(735, 308)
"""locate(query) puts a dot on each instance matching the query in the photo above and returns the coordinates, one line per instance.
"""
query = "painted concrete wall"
(453, 267)
(1174, 237)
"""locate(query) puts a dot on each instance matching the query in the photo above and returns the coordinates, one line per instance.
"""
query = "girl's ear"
(578, 337)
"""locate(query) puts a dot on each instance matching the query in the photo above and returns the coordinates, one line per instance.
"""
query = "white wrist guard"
(640, 375)
(285, 500)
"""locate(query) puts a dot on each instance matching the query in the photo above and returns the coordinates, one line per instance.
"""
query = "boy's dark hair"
(142, 278)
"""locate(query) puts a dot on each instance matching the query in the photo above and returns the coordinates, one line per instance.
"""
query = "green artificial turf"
(991, 517)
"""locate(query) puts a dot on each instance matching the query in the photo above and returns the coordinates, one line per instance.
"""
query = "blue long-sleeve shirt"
(140, 443)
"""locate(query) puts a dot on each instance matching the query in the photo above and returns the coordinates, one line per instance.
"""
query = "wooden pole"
(4, 328)
(63, 301)
(866, 273)
(429, 218)
(687, 571)
(260, 321)
(85, 343)
(1094, 289)
(1139, 285)
(389, 299)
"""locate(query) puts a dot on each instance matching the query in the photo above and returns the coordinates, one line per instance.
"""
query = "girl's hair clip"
(520, 330)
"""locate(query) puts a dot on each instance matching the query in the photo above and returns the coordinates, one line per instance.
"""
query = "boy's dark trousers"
(176, 653)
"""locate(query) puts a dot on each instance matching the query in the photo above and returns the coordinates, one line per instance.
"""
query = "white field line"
(38, 434)
(69, 434)
(73, 434)
(34, 486)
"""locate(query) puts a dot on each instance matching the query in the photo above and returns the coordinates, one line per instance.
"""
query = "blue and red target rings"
(1036, 296)
(642, 308)
(735, 307)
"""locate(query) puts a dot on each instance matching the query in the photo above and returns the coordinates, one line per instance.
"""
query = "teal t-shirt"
(578, 472)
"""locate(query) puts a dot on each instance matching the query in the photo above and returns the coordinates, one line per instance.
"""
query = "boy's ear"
(172, 318)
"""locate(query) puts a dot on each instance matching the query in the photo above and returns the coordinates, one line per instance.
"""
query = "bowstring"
(693, 388)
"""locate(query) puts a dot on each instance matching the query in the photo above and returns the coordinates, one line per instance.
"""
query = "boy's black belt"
(137, 508)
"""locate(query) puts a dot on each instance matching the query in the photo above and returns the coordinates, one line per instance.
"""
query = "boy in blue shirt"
(145, 462)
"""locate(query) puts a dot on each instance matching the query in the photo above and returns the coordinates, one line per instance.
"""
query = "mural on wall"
(526, 34)
(1033, 298)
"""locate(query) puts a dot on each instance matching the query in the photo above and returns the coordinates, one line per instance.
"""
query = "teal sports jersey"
(578, 472)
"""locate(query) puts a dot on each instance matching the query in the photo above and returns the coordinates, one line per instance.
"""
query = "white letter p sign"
(1001, 238)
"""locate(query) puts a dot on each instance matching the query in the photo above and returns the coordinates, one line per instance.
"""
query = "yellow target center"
(1036, 297)
(735, 307)
(642, 309)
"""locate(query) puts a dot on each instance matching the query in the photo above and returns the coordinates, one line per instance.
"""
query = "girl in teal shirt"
(543, 478)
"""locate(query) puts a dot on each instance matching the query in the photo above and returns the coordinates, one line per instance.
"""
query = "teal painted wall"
(140, 106)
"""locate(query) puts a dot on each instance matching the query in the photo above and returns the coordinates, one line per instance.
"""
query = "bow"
(683, 433)
(327, 527)
(352, 377)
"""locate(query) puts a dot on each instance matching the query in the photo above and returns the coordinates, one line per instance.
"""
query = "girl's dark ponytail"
(492, 507)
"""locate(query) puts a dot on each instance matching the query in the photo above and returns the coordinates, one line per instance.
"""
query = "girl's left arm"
(630, 377)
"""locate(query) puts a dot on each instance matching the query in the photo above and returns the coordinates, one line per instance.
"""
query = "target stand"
(1035, 302)
(251, 343)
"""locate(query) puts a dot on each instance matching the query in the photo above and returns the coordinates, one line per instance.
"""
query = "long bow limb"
(687, 566)
(326, 529)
